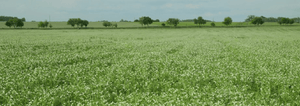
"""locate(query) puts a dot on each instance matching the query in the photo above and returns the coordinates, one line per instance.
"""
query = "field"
(196, 66)
(136, 24)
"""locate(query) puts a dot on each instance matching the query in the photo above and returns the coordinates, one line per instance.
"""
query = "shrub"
(213, 24)
(163, 24)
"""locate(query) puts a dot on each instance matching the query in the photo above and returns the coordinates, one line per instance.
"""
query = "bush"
(213, 24)
(115, 25)
(163, 24)
(106, 24)
(50, 26)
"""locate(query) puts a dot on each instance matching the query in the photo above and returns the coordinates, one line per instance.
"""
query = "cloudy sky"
(115, 10)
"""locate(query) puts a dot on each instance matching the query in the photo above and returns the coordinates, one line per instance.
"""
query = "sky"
(115, 10)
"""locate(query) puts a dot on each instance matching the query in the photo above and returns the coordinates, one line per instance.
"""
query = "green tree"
(106, 24)
(136, 20)
(145, 20)
(41, 24)
(46, 23)
(199, 21)
(257, 21)
(71, 22)
(227, 21)
(163, 24)
(173, 21)
(9, 24)
(78, 22)
(292, 21)
(213, 24)
(50, 26)
(16, 22)
(250, 17)
(20, 23)
(85, 23)
(23, 19)
(115, 25)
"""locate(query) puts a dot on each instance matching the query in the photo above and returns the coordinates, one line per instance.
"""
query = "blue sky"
(115, 10)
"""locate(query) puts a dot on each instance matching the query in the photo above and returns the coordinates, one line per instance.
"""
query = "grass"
(207, 66)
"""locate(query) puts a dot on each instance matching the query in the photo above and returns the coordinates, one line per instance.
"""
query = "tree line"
(279, 20)
(145, 20)
(7, 18)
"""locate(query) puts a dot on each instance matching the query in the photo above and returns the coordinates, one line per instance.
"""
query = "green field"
(187, 66)
(136, 24)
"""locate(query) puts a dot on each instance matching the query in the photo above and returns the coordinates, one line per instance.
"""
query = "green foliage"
(46, 23)
(7, 18)
(50, 26)
(286, 21)
(78, 22)
(106, 24)
(250, 17)
(85, 23)
(72, 22)
(15, 22)
(213, 24)
(257, 21)
(157, 20)
(9, 24)
(136, 20)
(199, 21)
(173, 21)
(145, 20)
(292, 21)
(115, 25)
(163, 24)
(43, 24)
(23, 19)
(227, 21)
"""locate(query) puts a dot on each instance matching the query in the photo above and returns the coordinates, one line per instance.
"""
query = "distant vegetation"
(78, 22)
(7, 18)
(199, 21)
(173, 21)
(15, 22)
(146, 20)
(227, 21)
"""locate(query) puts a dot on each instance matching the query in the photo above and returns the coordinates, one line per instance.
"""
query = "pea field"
(166, 66)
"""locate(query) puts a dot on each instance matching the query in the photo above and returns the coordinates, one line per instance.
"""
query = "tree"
(23, 19)
(50, 26)
(46, 23)
(15, 22)
(227, 21)
(20, 23)
(146, 20)
(157, 20)
(85, 23)
(199, 21)
(41, 24)
(7, 23)
(136, 20)
(106, 24)
(78, 22)
(163, 24)
(115, 25)
(250, 17)
(173, 21)
(71, 22)
(257, 21)
(291, 21)
(213, 24)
